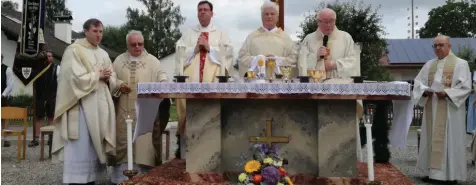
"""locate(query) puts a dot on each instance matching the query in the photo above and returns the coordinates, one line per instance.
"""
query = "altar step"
(173, 172)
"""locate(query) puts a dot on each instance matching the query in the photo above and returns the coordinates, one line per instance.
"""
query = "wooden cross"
(281, 13)
(269, 138)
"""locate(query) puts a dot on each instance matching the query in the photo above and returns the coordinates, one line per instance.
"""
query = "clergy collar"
(85, 43)
(272, 30)
(321, 35)
(211, 27)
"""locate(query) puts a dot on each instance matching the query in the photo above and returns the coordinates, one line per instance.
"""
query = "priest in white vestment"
(201, 54)
(442, 87)
(267, 41)
(131, 68)
(339, 57)
(85, 121)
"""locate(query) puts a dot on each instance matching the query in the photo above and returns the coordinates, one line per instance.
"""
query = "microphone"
(326, 38)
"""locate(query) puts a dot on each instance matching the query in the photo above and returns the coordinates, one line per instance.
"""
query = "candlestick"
(370, 156)
(129, 143)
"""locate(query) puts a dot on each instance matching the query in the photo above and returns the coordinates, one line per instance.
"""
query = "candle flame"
(128, 117)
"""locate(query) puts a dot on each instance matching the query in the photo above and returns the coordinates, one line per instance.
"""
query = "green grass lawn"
(173, 113)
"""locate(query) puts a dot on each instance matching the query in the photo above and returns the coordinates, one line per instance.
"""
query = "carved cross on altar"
(269, 138)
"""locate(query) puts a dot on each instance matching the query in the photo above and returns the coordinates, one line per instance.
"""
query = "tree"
(365, 26)
(55, 8)
(10, 5)
(159, 25)
(114, 38)
(469, 54)
(454, 19)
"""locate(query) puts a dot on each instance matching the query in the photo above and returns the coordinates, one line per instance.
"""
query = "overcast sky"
(240, 17)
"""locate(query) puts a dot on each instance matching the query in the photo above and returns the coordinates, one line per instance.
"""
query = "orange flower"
(282, 172)
(252, 166)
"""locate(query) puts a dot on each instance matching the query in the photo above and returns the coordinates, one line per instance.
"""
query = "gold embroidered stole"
(436, 129)
(132, 96)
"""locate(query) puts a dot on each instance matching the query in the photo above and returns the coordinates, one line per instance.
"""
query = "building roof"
(419, 51)
(11, 27)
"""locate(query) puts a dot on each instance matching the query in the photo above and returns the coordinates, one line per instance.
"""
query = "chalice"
(286, 71)
(270, 66)
(316, 75)
(250, 75)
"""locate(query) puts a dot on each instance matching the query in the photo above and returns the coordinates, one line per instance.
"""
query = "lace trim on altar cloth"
(399, 89)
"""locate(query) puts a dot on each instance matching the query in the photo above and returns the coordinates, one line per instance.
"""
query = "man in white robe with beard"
(442, 87)
(85, 121)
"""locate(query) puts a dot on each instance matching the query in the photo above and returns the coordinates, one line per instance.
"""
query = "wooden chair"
(11, 113)
(46, 130)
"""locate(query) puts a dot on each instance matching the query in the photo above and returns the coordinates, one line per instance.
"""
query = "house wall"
(8, 51)
(404, 74)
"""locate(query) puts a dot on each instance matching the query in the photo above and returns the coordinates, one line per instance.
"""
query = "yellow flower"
(252, 166)
(289, 181)
(268, 161)
(280, 183)
(242, 177)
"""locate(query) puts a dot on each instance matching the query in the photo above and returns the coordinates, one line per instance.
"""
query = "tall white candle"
(181, 52)
(370, 152)
(223, 49)
(129, 143)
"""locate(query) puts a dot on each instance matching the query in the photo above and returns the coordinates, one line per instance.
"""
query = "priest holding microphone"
(329, 49)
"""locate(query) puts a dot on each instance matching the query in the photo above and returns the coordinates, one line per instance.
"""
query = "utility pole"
(413, 21)
(281, 13)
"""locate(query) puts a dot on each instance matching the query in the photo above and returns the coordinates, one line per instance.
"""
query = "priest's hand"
(330, 65)
(124, 88)
(203, 43)
(442, 95)
(104, 74)
(323, 51)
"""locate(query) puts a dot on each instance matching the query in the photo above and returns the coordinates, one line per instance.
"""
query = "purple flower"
(270, 175)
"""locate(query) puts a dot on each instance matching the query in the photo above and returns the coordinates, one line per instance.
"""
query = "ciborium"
(286, 71)
(270, 66)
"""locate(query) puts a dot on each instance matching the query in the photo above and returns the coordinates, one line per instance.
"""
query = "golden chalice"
(270, 66)
(286, 71)
(316, 75)
(250, 75)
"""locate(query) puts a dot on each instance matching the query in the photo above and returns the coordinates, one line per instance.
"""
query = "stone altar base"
(173, 173)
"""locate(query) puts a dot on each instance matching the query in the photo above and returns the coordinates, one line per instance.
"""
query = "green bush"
(23, 100)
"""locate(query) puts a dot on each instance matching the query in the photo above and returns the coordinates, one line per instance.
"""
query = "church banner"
(30, 58)
(31, 25)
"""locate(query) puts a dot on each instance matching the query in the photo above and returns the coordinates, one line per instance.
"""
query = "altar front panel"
(296, 119)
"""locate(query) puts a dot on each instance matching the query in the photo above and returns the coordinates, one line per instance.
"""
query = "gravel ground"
(33, 172)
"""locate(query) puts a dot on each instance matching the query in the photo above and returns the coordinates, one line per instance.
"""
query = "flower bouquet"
(266, 168)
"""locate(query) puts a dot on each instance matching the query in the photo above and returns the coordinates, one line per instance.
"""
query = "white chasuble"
(133, 70)
(442, 149)
(84, 114)
(263, 42)
(201, 67)
(342, 51)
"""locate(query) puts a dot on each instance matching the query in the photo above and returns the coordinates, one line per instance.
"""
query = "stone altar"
(318, 120)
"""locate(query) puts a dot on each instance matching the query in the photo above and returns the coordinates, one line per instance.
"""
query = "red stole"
(203, 56)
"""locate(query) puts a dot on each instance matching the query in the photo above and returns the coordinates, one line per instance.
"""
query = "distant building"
(406, 57)
(58, 37)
